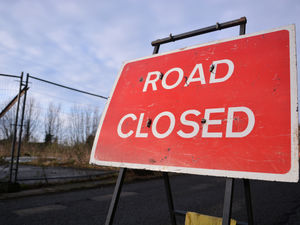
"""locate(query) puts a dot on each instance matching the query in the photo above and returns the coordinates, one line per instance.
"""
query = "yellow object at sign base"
(192, 218)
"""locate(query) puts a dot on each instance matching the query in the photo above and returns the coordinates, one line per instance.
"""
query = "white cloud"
(7, 41)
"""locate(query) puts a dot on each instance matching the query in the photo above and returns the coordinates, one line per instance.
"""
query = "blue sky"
(83, 43)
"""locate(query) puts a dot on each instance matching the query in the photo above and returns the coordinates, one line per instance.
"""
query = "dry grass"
(52, 154)
(76, 156)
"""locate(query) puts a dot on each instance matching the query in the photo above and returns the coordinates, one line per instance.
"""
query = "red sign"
(227, 108)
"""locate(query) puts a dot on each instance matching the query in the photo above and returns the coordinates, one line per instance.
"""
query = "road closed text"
(195, 75)
(205, 121)
(194, 125)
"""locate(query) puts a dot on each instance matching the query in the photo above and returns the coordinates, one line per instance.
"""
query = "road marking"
(41, 209)
(109, 196)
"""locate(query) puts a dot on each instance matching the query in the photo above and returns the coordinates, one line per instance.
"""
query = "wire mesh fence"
(58, 127)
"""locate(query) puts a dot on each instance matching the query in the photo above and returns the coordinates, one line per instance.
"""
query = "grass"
(76, 156)
(53, 154)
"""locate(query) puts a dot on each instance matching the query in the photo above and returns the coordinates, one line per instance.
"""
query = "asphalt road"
(37, 174)
(145, 202)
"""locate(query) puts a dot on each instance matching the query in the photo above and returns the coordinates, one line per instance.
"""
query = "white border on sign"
(291, 176)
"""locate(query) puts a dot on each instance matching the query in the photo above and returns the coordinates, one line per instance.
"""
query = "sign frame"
(291, 176)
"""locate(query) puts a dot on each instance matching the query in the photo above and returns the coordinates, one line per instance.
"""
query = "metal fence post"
(15, 131)
(21, 127)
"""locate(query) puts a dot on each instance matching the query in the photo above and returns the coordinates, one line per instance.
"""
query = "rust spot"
(152, 161)
(163, 159)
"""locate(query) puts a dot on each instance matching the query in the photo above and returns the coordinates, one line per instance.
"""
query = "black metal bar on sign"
(70, 88)
(228, 201)
(229, 182)
(15, 131)
(115, 197)
(156, 49)
(21, 128)
(166, 178)
(180, 212)
(170, 198)
(9, 75)
(242, 29)
(218, 26)
(248, 201)
(246, 181)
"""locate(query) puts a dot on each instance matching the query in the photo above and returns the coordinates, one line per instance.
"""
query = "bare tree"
(93, 127)
(31, 120)
(76, 128)
(95, 120)
(87, 123)
(7, 124)
(83, 124)
(52, 123)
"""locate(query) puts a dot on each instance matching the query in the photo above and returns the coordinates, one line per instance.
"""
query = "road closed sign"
(227, 108)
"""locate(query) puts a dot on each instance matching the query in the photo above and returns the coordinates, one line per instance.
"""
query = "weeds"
(51, 154)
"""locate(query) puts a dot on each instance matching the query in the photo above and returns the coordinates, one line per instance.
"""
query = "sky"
(83, 44)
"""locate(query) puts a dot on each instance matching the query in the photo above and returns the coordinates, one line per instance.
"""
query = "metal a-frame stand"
(229, 181)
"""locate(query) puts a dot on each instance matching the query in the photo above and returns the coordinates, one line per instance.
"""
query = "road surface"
(37, 174)
(144, 202)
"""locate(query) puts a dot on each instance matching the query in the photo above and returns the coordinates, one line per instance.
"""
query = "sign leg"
(228, 201)
(115, 197)
(169, 197)
(248, 201)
